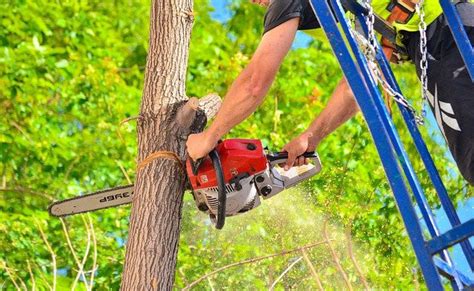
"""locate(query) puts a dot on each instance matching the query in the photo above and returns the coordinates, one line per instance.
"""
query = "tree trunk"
(166, 119)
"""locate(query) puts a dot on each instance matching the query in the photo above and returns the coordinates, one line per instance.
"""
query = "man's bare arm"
(249, 89)
(340, 108)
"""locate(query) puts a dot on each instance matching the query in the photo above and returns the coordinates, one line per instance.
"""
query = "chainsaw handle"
(222, 195)
(282, 157)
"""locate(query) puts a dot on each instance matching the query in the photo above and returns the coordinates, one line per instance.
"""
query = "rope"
(161, 155)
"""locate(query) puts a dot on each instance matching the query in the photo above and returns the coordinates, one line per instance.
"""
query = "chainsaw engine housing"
(241, 160)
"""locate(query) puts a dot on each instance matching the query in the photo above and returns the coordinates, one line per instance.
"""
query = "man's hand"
(199, 145)
(261, 2)
(297, 147)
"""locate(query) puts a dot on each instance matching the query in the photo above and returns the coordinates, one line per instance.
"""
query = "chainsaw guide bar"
(94, 201)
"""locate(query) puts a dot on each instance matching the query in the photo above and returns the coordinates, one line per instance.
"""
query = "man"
(451, 89)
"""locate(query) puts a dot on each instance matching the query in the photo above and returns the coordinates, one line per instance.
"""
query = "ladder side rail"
(410, 121)
(459, 33)
(373, 118)
(388, 122)
(447, 204)
(410, 174)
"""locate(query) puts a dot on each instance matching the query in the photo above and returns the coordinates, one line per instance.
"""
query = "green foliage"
(71, 71)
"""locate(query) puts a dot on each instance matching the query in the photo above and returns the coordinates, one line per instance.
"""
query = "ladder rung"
(451, 273)
(451, 237)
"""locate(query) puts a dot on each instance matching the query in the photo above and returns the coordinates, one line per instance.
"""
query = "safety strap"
(401, 11)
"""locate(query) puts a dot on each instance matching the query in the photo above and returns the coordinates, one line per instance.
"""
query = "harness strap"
(401, 12)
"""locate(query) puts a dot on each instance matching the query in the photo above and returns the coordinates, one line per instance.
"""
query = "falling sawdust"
(286, 221)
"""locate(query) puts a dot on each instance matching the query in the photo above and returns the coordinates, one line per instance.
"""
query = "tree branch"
(32, 276)
(185, 115)
(94, 257)
(313, 270)
(285, 272)
(53, 254)
(25, 190)
(3, 264)
(250, 261)
(210, 104)
(124, 172)
(335, 257)
(42, 276)
(84, 259)
(74, 255)
(354, 261)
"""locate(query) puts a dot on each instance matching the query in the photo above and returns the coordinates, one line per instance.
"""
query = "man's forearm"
(249, 89)
(340, 108)
(240, 102)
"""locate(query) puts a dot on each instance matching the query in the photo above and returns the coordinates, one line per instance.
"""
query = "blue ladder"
(432, 253)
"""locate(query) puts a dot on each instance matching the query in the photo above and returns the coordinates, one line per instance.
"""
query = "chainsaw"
(230, 181)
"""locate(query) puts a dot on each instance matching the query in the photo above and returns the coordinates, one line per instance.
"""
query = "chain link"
(424, 55)
(371, 51)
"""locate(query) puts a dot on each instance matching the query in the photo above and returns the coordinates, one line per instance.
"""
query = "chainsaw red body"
(237, 156)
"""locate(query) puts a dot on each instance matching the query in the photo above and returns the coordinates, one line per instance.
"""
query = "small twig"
(210, 284)
(126, 120)
(74, 255)
(354, 261)
(122, 123)
(94, 257)
(124, 172)
(183, 275)
(335, 257)
(415, 280)
(53, 254)
(69, 168)
(250, 261)
(20, 129)
(346, 166)
(32, 276)
(42, 276)
(24, 190)
(23, 284)
(10, 275)
(285, 272)
(84, 259)
(313, 270)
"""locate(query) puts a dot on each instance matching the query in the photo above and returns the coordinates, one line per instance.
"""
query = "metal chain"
(424, 55)
(370, 47)
(370, 20)
(377, 74)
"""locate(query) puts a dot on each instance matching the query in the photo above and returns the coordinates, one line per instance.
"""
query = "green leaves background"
(70, 71)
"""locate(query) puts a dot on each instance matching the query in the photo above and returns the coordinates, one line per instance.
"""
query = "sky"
(465, 210)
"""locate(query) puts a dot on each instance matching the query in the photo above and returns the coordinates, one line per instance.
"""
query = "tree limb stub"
(209, 105)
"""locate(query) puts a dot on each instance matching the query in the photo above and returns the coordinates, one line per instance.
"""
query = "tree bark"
(166, 119)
